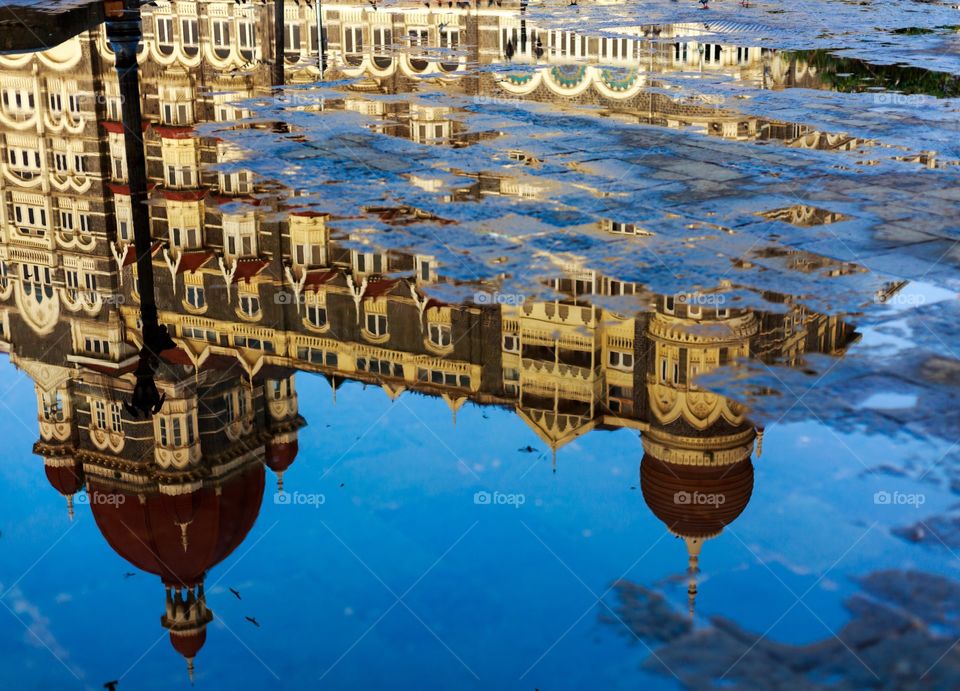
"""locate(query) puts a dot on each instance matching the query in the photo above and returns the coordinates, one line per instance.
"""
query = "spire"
(280, 482)
(693, 560)
(70, 506)
(553, 463)
(759, 444)
(190, 669)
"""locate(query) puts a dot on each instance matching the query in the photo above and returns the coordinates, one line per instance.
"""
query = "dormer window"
(185, 238)
(425, 269)
(315, 309)
(180, 162)
(177, 113)
(225, 111)
(369, 262)
(235, 183)
(377, 324)
(114, 109)
(183, 221)
(240, 235)
(196, 297)
(308, 236)
(118, 157)
(122, 214)
(440, 335)
(249, 306)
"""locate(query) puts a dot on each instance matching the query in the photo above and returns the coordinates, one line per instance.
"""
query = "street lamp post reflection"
(125, 34)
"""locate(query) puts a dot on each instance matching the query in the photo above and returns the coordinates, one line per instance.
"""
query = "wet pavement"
(527, 345)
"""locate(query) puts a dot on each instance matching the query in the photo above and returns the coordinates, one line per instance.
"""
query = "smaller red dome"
(65, 475)
(189, 644)
(281, 455)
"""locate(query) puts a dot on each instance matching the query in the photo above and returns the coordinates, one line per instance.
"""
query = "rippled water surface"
(480, 345)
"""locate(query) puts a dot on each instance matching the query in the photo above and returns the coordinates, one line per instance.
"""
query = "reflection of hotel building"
(254, 289)
(173, 495)
(391, 50)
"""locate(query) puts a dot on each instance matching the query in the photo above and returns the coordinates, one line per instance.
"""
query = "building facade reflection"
(254, 289)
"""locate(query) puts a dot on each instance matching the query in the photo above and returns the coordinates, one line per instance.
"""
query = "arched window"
(220, 28)
(317, 315)
(377, 325)
(37, 281)
(250, 306)
(196, 297)
(190, 36)
(164, 33)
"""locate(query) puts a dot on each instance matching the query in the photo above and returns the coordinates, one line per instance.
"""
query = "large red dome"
(148, 530)
(670, 489)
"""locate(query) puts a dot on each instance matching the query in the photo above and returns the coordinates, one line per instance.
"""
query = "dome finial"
(759, 441)
(693, 568)
(280, 482)
(190, 669)
(70, 506)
